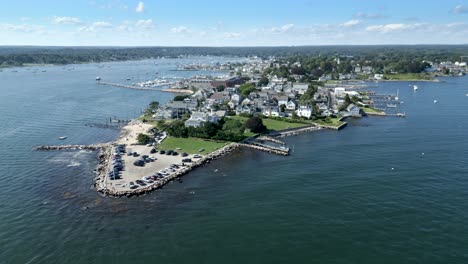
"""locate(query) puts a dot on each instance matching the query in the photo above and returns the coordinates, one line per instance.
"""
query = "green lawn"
(408, 76)
(272, 124)
(330, 121)
(371, 110)
(191, 145)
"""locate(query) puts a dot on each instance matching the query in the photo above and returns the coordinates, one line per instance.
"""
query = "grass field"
(272, 124)
(191, 145)
(330, 121)
(408, 76)
(371, 110)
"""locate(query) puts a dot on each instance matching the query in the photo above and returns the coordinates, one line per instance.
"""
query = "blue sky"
(232, 23)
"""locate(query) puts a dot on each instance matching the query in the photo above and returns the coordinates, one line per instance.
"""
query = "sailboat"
(396, 97)
(415, 88)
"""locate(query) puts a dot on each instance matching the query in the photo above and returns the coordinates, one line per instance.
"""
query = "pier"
(127, 86)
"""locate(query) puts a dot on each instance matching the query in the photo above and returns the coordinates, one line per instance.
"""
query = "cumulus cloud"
(24, 28)
(351, 23)
(179, 29)
(144, 23)
(282, 29)
(460, 9)
(389, 27)
(232, 35)
(95, 26)
(66, 20)
(140, 7)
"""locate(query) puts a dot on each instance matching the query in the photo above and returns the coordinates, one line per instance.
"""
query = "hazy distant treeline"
(20, 55)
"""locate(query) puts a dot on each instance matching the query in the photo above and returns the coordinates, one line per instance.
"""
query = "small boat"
(62, 138)
(435, 101)
(466, 94)
(415, 87)
(391, 105)
(98, 78)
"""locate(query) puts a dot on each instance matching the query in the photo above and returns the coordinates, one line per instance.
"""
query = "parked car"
(175, 153)
(152, 151)
(162, 152)
(184, 154)
(135, 154)
(139, 163)
(132, 185)
(187, 160)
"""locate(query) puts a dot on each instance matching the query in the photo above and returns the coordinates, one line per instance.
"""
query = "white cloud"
(24, 28)
(66, 20)
(351, 23)
(460, 9)
(144, 23)
(232, 35)
(95, 26)
(282, 29)
(140, 7)
(179, 29)
(390, 27)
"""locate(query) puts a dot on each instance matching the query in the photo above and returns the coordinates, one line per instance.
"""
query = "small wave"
(74, 164)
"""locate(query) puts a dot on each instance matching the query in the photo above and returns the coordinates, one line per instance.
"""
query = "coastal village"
(252, 106)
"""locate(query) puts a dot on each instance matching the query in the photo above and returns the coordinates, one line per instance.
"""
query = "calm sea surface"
(336, 199)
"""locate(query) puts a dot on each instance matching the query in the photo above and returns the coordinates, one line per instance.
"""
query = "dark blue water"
(335, 200)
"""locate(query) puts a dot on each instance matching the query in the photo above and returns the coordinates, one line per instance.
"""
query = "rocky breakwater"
(101, 185)
(71, 147)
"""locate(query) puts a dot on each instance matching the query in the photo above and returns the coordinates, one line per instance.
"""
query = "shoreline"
(104, 159)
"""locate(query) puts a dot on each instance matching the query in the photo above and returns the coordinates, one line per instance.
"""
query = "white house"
(283, 100)
(340, 91)
(291, 105)
(378, 76)
(304, 111)
(198, 119)
(271, 111)
(300, 88)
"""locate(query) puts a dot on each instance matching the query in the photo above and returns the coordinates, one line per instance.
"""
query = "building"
(353, 110)
(304, 111)
(271, 111)
(226, 82)
(198, 119)
(300, 88)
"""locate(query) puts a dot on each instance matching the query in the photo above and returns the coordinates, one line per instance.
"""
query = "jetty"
(92, 147)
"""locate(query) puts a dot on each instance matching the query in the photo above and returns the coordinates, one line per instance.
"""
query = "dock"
(128, 86)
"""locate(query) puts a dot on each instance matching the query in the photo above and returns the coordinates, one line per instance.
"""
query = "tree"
(282, 108)
(143, 139)
(220, 88)
(263, 81)
(181, 97)
(246, 89)
(255, 124)
(154, 105)
(308, 96)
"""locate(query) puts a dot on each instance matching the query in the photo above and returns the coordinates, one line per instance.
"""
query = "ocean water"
(336, 199)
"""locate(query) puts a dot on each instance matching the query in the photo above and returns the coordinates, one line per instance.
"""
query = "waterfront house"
(353, 110)
(304, 111)
(198, 119)
(271, 111)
